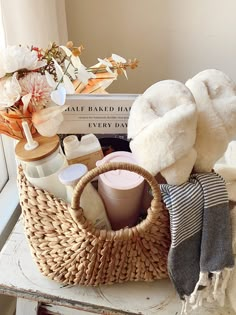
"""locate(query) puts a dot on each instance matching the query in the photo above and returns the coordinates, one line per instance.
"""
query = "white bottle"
(42, 164)
(90, 201)
(86, 151)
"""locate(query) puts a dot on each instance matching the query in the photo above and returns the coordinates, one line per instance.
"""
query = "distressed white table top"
(19, 276)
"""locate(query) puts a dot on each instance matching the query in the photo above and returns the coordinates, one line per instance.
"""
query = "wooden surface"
(47, 145)
(20, 277)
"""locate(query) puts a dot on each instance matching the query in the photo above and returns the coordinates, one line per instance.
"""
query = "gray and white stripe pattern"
(201, 241)
(186, 203)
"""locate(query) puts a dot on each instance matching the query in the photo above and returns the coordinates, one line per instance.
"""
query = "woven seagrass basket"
(68, 249)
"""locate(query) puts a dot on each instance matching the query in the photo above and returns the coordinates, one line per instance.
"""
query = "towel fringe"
(203, 281)
(185, 306)
(215, 282)
(214, 290)
(220, 281)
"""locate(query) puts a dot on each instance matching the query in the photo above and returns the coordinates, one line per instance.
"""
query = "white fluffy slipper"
(215, 96)
(228, 172)
(162, 126)
(226, 167)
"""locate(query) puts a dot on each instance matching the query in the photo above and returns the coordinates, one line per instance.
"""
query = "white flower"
(60, 87)
(26, 100)
(62, 78)
(36, 85)
(75, 60)
(15, 58)
(10, 91)
(106, 63)
(50, 80)
(118, 58)
(75, 67)
(48, 120)
(70, 69)
(83, 75)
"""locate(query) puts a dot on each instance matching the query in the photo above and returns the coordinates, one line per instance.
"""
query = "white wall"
(173, 39)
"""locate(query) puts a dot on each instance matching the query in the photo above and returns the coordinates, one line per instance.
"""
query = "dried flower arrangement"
(34, 83)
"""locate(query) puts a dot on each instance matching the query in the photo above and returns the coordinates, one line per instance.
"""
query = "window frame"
(3, 166)
(9, 199)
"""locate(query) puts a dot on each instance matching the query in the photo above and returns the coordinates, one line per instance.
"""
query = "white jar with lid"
(90, 201)
(121, 191)
(42, 164)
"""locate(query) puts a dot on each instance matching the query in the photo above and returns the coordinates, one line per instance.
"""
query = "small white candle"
(31, 143)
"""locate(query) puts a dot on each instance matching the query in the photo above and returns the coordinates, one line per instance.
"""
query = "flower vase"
(11, 124)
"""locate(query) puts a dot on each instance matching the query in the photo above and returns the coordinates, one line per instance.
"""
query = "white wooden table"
(20, 277)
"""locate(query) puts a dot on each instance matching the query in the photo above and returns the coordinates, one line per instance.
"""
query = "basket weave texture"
(69, 249)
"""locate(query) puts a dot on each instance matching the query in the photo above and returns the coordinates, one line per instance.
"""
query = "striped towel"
(200, 257)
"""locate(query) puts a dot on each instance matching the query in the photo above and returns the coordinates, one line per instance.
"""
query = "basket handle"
(77, 212)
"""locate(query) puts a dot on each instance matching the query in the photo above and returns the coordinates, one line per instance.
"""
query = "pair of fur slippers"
(175, 127)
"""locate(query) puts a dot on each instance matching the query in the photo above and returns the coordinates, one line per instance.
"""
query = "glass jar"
(42, 164)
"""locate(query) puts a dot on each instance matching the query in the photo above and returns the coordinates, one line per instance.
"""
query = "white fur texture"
(215, 96)
(226, 167)
(228, 172)
(179, 172)
(162, 126)
(230, 154)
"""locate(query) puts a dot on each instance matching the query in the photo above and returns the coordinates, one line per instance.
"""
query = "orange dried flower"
(76, 51)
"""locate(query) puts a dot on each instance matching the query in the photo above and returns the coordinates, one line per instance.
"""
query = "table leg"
(26, 307)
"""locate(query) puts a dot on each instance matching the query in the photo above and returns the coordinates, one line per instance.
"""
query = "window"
(3, 167)
(9, 201)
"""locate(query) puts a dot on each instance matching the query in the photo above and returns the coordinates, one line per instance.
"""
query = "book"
(105, 114)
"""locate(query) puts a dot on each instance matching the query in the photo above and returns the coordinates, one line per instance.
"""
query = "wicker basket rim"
(153, 212)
